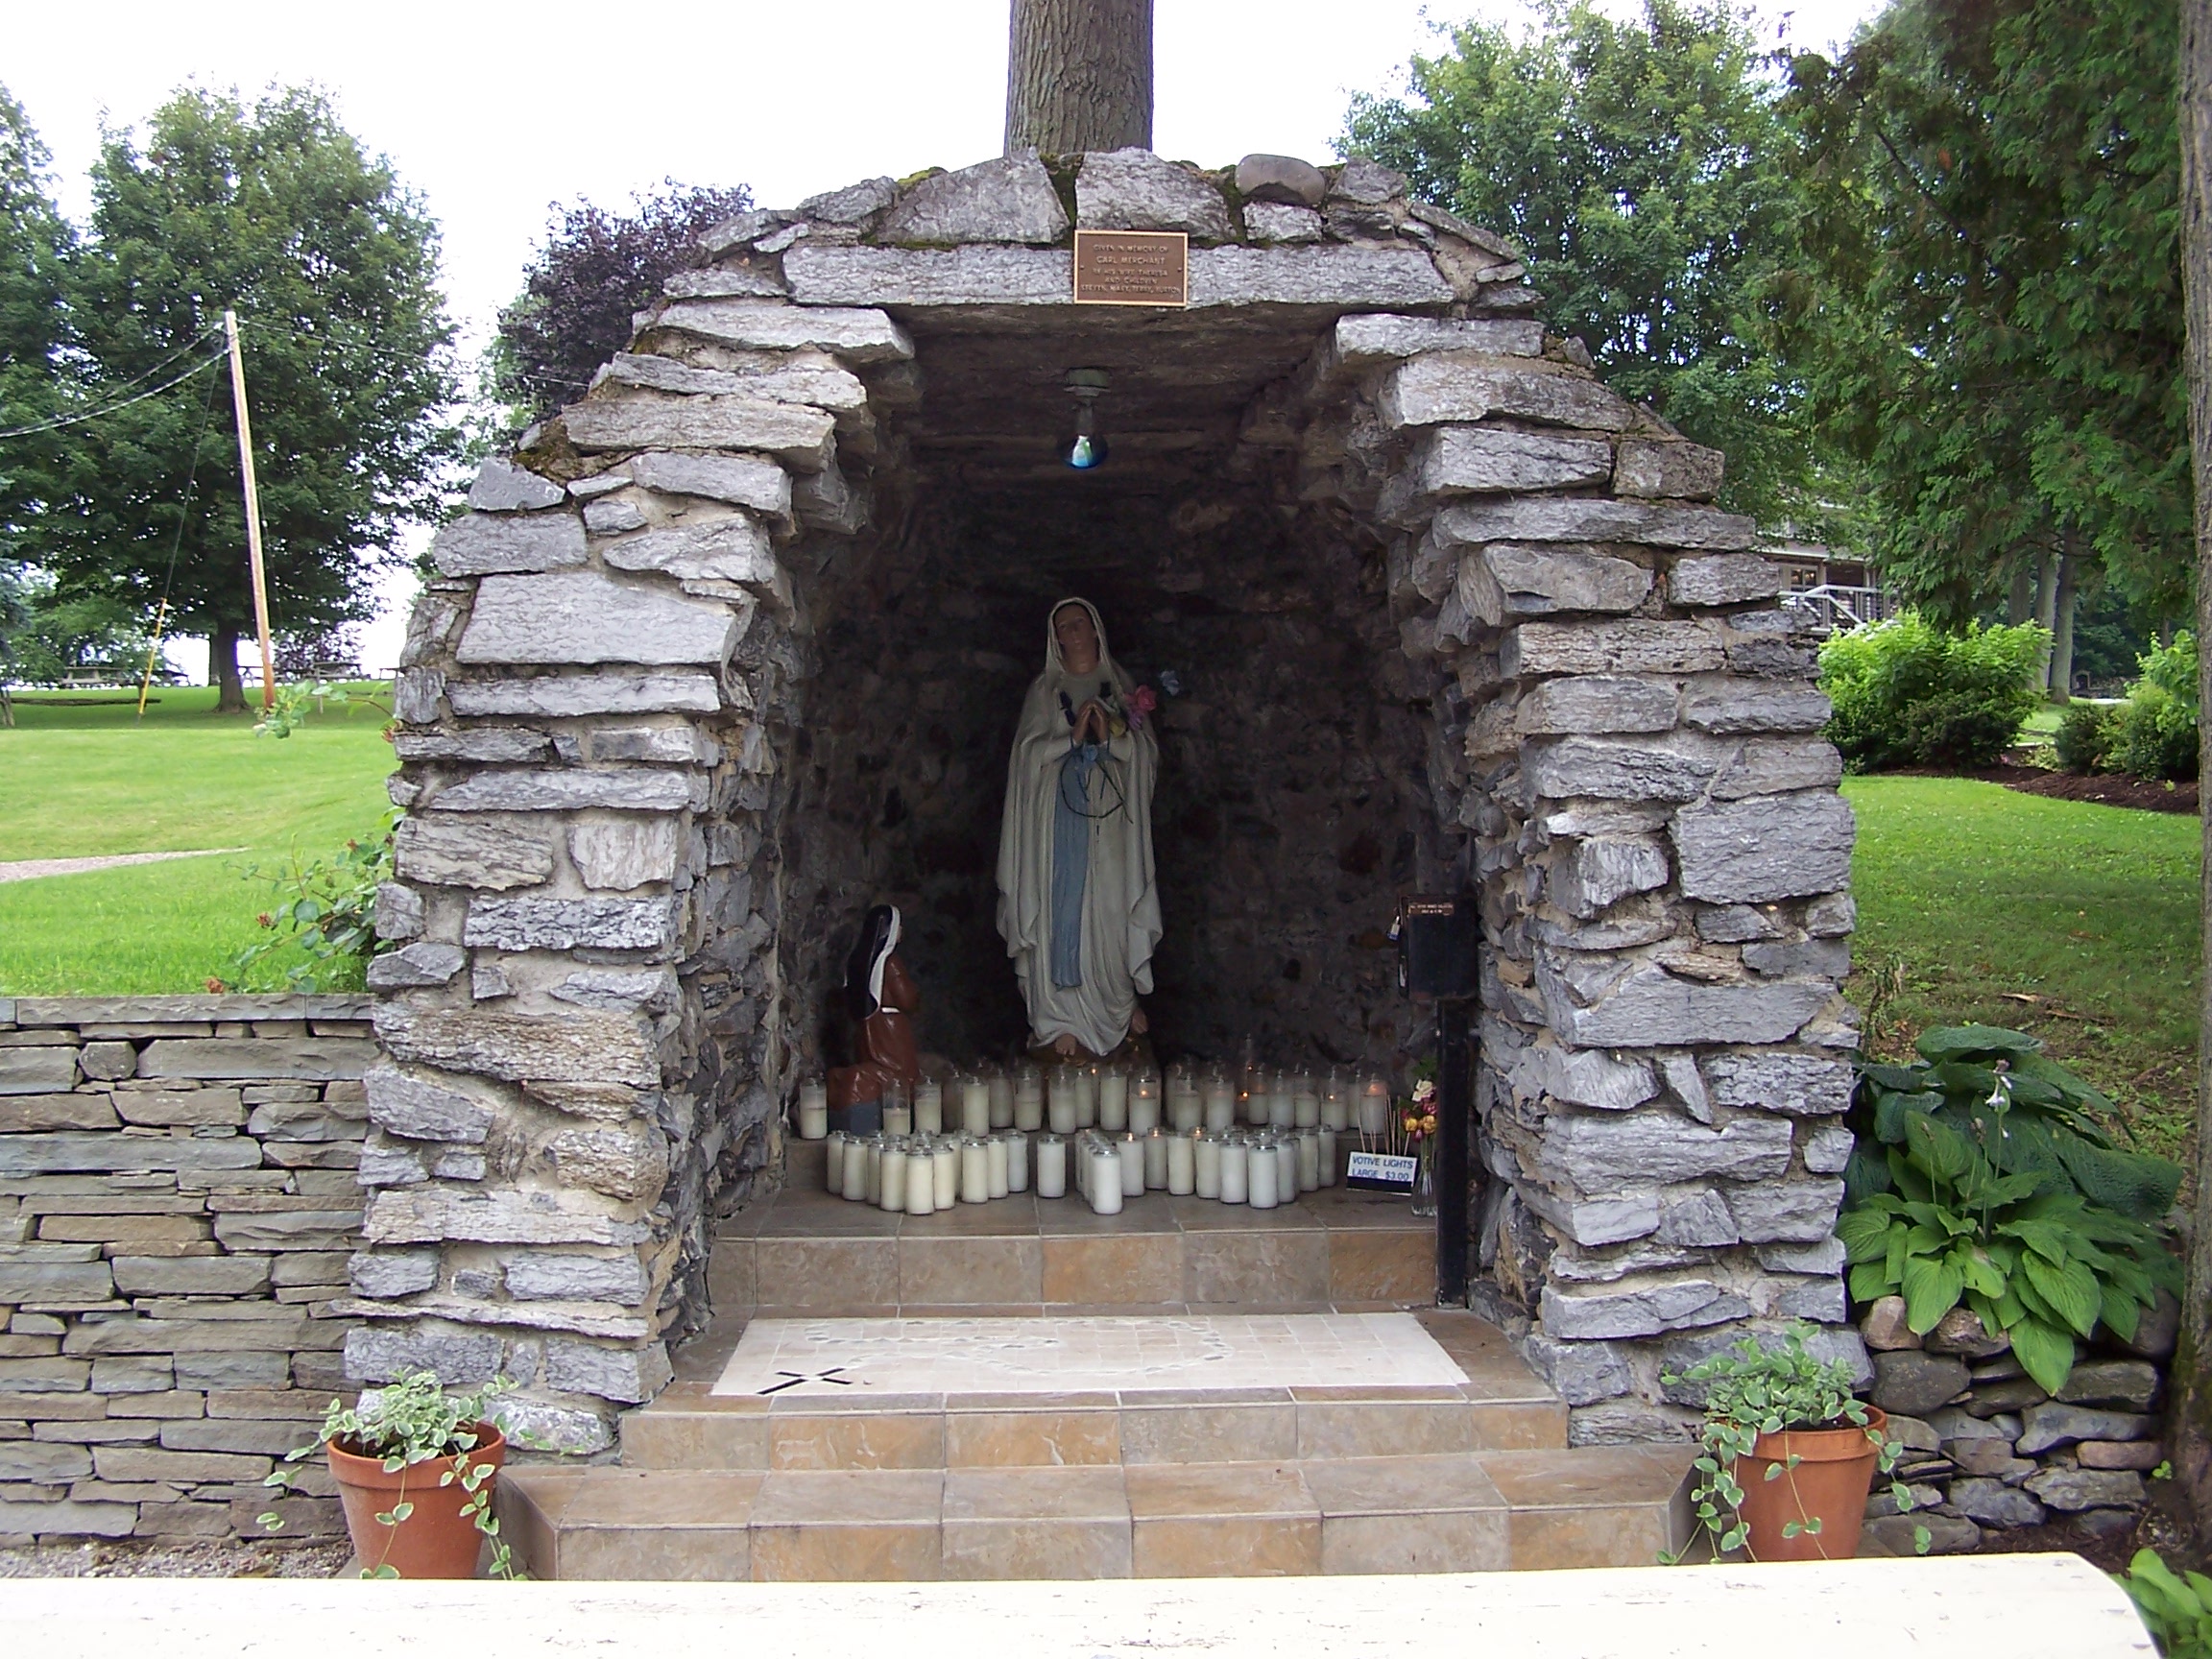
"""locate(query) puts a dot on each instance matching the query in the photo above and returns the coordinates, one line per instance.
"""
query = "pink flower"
(1139, 703)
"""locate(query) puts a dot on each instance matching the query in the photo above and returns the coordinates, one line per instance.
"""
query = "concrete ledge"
(2025, 1606)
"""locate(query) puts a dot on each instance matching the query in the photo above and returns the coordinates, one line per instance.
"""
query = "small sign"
(1132, 268)
(1380, 1172)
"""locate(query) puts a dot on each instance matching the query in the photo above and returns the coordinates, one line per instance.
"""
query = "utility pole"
(252, 512)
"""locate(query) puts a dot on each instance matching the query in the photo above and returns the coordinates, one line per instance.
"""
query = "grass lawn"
(81, 781)
(2072, 921)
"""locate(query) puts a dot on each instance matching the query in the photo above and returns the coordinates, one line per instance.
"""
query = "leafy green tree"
(34, 246)
(54, 632)
(1642, 166)
(333, 267)
(1988, 319)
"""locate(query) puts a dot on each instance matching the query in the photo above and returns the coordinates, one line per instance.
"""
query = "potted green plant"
(1787, 1453)
(415, 1468)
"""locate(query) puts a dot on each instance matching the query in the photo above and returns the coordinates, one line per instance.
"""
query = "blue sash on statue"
(1072, 862)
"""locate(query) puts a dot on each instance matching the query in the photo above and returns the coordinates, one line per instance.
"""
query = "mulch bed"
(2103, 790)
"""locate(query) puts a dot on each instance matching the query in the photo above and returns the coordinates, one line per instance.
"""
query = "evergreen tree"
(35, 246)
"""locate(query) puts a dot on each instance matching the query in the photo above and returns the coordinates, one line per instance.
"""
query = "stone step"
(1459, 1512)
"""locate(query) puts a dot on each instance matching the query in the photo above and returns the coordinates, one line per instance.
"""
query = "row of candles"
(1070, 1099)
(918, 1174)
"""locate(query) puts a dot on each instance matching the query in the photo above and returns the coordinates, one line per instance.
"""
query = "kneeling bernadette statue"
(1077, 905)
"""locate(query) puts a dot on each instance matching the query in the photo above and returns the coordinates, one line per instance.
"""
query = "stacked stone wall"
(178, 1204)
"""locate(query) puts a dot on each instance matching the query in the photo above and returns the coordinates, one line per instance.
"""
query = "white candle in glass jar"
(929, 1107)
(1335, 1104)
(1105, 1171)
(1281, 1107)
(875, 1168)
(1052, 1166)
(1155, 1146)
(1327, 1152)
(1016, 1160)
(1086, 1081)
(898, 1120)
(1236, 1171)
(1131, 1152)
(1185, 1109)
(974, 1106)
(855, 1175)
(1114, 1099)
(945, 1160)
(1308, 1160)
(1304, 1102)
(1063, 1102)
(995, 1165)
(1001, 1089)
(1206, 1165)
(1183, 1166)
(1028, 1099)
(833, 1162)
(1261, 1175)
(813, 1111)
(1373, 1107)
(1286, 1169)
(1143, 1106)
(1220, 1104)
(974, 1172)
(891, 1184)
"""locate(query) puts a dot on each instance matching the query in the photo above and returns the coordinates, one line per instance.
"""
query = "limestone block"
(1792, 1212)
(53, 1273)
(628, 1374)
(384, 1164)
(1652, 1008)
(1731, 707)
(479, 543)
(613, 518)
(502, 487)
(1329, 273)
(1595, 703)
(415, 696)
(1580, 1373)
(1281, 178)
(732, 549)
(552, 1426)
(415, 965)
(2130, 1385)
(386, 1353)
(853, 205)
(582, 617)
(623, 853)
(1596, 1223)
(386, 1274)
(430, 626)
(1386, 336)
(1799, 1085)
(1697, 1218)
(1580, 1077)
(1272, 223)
(977, 274)
(306, 1059)
(21, 1113)
(622, 789)
(571, 923)
(1605, 868)
(822, 383)
(1367, 183)
(566, 1276)
(744, 480)
(857, 335)
(575, 1047)
(1828, 1149)
(1474, 460)
(721, 280)
(41, 1069)
(1612, 769)
(489, 745)
(1725, 579)
(617, 988)
(1775, 765)
(1667, 468)
(1507, 580)
(1137, 190)
(1592, 519)
(2057, 1424)
(626, 1163)
(795, 433)
(2072, 1489)
(1800, 959)
(496, 1215)
(449, 853)
(1631, 647)
(1006, 199)
(600, 1102)
(1639, 1310)
(68, 1518)
(558, 696)
(1438, 387)
(1754, 851)
(419, 1108)
(1654, 1146)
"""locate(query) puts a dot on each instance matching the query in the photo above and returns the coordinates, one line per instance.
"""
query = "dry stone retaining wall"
(178, 1203)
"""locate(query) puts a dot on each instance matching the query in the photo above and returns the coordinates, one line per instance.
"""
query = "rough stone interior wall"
(1291, 795)
(176, 1205)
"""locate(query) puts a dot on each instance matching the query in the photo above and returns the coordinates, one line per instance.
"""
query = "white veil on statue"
(1106, 804)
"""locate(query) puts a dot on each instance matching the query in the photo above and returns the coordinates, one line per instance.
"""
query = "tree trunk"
(1079, 76)
(223, 669)
(2047, 609)
(2191, 1389)
(2020, 603)
(2062, 627)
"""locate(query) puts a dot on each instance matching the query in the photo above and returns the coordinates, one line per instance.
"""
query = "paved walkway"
(30, 869)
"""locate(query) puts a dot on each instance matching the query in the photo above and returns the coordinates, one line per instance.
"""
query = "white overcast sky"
(493, 112)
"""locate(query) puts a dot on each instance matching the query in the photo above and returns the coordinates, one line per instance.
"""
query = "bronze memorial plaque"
(1132, 268)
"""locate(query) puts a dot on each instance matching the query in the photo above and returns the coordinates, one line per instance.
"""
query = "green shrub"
(1907, 694)
(2086, 736)
(2154, 732)
(2177, 1609)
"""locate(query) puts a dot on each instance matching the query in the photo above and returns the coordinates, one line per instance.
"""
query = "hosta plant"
(1982, 1179)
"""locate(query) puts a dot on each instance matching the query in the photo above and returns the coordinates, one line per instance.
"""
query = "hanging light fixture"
(1085, 451)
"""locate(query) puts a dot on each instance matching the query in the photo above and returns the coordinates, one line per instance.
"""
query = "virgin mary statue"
(1076, 901)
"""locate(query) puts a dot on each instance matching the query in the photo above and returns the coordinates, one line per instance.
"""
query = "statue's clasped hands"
(1093, 723)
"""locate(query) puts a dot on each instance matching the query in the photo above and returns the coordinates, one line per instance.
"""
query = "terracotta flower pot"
(436, 1540)
(1835, 1467)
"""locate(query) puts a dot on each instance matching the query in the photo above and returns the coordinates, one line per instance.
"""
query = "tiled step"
(1598, 1507)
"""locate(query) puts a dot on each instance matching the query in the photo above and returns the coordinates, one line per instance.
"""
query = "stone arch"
(619, 717)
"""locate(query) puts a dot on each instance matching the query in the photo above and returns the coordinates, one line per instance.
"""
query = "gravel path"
(30, 869)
